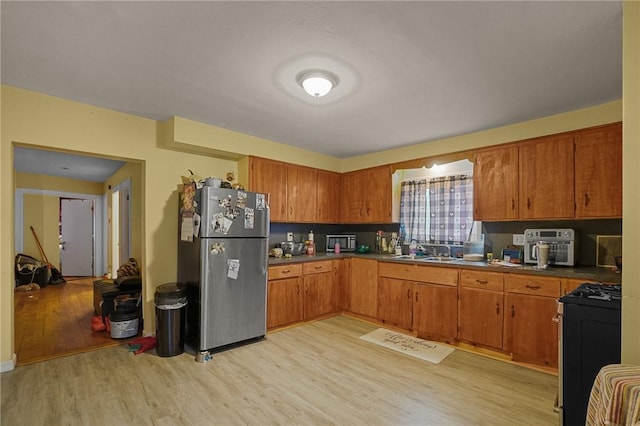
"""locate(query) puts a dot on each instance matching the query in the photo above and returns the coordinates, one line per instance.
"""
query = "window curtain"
(450, 209)
(413, 210)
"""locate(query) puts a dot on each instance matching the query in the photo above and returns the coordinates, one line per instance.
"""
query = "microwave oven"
(562, 245)
(347, 242)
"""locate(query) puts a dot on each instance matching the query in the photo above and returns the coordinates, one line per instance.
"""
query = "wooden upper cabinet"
(546, 186)
(328, 197)
(301, 194)
(366, 196)
(495, 188)
(378, 194)
(352, 196)
(598, 179)
(270, 177)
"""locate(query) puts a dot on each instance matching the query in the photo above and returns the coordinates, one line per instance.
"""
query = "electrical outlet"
(289, 236)
(518, 239)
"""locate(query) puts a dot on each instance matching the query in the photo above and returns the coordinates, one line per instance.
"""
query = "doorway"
(77, 237)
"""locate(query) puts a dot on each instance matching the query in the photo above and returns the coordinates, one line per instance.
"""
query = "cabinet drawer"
(317, 267)
(480, 279)
(437, 275)
(285, 271)
(540, 286)
(401, 271)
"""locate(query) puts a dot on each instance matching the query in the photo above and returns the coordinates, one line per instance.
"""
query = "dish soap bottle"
(413, 248)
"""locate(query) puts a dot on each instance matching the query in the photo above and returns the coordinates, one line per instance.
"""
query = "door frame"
(99, 263)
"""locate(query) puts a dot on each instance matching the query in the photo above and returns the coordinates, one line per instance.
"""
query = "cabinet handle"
(533, 287)
(409, 293)
(482, 281)
(528, 203)
(298, 286)
(416, 296)
(513, 204)
(286, 271)
(586, 199)
(318, 267)
(283, 209)
(497, 308)
(513, 311)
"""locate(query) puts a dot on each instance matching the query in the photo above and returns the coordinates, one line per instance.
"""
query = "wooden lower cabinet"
(531, 334)
(395, 302)
(318, 289)
(435, 311)
(363, 287)
(481, 314)
(284, 302)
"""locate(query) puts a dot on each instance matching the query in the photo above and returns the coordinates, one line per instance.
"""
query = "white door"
(76, 237)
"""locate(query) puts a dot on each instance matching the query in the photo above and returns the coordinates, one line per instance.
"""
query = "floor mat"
(418, 348)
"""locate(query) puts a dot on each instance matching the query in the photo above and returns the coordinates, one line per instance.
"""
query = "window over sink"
(436, 203)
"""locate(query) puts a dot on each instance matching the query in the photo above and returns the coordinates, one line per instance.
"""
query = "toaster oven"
(562, 245)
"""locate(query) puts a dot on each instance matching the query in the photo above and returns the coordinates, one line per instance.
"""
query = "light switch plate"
(289, 236)
(518, 239)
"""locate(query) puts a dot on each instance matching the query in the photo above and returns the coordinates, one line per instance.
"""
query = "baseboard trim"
(8, 365)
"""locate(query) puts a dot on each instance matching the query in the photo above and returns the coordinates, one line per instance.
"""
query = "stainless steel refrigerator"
(223, 259)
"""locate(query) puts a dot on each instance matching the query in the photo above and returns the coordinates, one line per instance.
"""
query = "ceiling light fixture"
(317, 83)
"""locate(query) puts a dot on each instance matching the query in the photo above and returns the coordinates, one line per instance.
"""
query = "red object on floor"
(146, 343)
(97, 324)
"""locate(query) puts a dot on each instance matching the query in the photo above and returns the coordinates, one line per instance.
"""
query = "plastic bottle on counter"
(311, 236)
(336, 248)
(413, 248)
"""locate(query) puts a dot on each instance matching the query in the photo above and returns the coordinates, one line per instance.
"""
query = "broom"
(56, 276)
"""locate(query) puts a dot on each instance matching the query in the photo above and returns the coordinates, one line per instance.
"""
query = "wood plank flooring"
(56, 321)
(316, 373)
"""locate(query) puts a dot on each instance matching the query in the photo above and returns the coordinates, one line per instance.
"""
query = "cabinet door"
(352, 197)
(341, 284)
(284, 302)
(531, 335)
(363, 283)
(598, 159)
(301, 194)
(328, 197)
(480, 316)
(395, 302)
(495, 182)
(546, 184)
(318, 294)
(435, 311)
(270, 177)
(377, 206)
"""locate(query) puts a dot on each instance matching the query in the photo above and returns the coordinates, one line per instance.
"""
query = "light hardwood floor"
(317, 373)
(56, 321)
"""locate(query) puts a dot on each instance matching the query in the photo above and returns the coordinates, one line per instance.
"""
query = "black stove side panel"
(591, 340)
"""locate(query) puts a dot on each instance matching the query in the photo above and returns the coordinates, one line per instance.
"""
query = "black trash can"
(171, 302)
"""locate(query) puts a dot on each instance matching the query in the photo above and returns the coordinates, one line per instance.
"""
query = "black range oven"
(589, 339)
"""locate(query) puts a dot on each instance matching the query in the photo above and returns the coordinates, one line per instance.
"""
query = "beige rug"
(418, 348)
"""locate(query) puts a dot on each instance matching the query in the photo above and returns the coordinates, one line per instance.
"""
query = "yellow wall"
(631, 182)
(41, 212)
(54, 183)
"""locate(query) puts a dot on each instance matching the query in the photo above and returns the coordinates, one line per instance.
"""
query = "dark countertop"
(587, 273)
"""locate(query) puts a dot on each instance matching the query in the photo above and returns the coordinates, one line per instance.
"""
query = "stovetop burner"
(594, 292)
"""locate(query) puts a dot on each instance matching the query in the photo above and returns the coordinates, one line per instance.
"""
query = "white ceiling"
(410, 72)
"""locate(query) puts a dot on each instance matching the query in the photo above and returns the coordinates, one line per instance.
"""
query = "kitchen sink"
(438, 259)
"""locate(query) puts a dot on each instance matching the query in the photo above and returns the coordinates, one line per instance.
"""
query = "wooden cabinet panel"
(366, 196)
(598, 172)
(363, 287)
(352, 197)
(318, 294)
(413, 272)
(301, 194)
(481, 279)
(285, 271)
(531, 335)
(317, 267)
(270, 177)
(284, 302)
(395, 302)
(435, 311)
(341, 268)
(546, 185)
(378, 194)
(480, 316)
(495, 177)
(535, 285)
(328, 197)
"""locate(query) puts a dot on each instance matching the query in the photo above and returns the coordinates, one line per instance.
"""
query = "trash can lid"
(171, 290)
